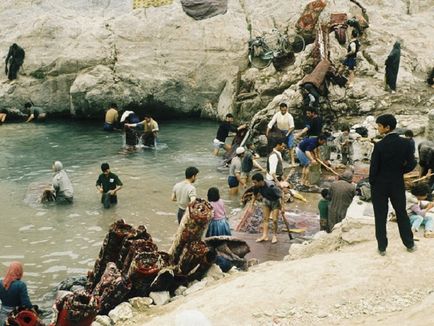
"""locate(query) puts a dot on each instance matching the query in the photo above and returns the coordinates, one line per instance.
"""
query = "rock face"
(81, 55)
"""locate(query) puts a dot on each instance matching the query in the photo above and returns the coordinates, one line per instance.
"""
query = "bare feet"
(274, 239)
(261, 239)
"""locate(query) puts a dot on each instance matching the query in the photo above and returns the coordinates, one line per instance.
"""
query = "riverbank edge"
(336, 279)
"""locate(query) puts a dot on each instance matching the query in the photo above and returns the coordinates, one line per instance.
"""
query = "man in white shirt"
(184, 192)
(275, 162)
(285, 124)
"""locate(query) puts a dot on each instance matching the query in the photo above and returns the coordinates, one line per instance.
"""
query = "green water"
(58, 242)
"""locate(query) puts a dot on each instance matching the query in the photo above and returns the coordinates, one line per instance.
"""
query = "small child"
(323, 207)
(346, 145)
(420, 212)
(409, 135)
(219, 224)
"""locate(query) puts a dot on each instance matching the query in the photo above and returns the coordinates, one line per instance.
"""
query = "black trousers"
(381, 192)
(180, 214)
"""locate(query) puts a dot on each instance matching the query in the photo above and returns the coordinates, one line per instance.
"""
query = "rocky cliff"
(81, 55)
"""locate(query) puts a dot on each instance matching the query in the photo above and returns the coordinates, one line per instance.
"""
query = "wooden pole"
(328, 168)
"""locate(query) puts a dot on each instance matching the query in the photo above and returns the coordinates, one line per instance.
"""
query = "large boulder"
(83, 55)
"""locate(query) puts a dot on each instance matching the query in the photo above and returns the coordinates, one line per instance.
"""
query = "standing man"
(34, 112)
(150, 130)
(351, 57)
(111, 117)
(392, 66)
(184, 192)
(108, 184)
(14, 59)
(234, 178)
(275, 162)
(341, 196)
(271, 198)
(285, 124)
(223, 132)
(307, 154)
(391, 159)
(313, 124)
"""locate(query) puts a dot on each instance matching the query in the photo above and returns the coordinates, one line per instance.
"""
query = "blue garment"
(350, 63)
(218, 227)
(308, 144)
(417, 220)
(233, 181)
(16, 295)
(302, 157)
(108, 127)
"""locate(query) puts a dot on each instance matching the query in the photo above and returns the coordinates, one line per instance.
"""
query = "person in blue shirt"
(13, 291)
(307, 153)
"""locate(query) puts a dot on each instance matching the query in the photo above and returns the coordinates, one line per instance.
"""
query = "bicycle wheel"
(297, 43)
(258, 61)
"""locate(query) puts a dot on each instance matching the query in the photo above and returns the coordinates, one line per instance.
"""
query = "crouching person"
(422, 212)
(108, 184)
(62, 186)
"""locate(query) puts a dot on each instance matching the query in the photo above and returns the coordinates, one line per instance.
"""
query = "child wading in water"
(219, 224)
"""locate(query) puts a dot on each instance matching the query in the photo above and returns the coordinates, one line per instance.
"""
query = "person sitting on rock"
(421, 211)
(13, 291)
(34, 112)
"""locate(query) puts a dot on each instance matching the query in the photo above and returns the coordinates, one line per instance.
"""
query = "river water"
(57, 242)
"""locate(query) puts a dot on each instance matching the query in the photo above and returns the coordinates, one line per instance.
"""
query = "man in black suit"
(391, 158)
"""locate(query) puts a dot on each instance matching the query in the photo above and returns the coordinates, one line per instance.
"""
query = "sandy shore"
(338, 284)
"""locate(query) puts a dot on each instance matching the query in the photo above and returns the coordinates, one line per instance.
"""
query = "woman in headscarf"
(392, 66)
(341, 194)
(13, 291)
(62, 186)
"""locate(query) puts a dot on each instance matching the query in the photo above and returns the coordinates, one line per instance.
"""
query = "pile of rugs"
(130, 265)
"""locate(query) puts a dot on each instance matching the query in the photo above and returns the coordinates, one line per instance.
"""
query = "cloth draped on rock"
(318, 75)
(111, 289)
(23, 316)
(392, 66)
(309, 18)
(341, 195)
(203, 9)
(110, 249)
(78, 308)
